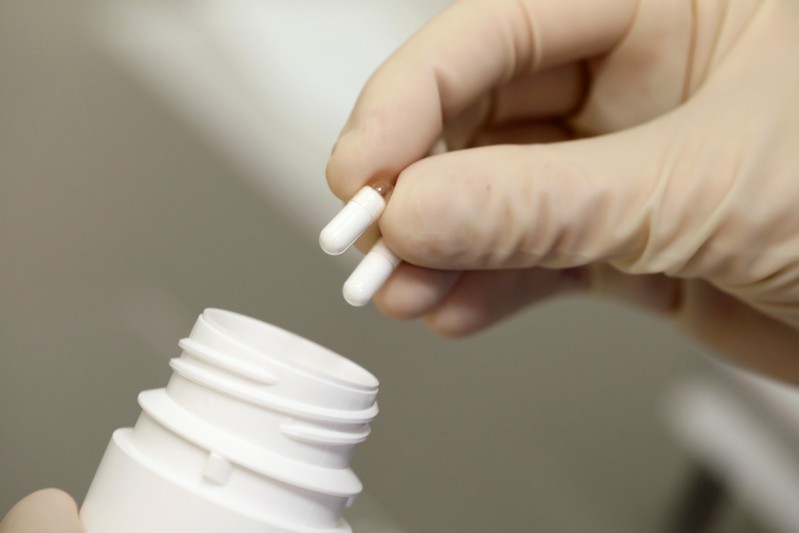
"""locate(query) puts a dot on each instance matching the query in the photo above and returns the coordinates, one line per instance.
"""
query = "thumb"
(555, 205)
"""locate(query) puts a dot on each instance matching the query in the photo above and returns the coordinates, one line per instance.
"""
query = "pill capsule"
(358, 214)
(370, 274)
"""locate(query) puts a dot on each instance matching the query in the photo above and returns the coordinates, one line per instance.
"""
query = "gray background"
(118, 226)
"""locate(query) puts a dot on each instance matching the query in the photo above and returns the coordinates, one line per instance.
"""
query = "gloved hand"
(44, 511)
(642, 149)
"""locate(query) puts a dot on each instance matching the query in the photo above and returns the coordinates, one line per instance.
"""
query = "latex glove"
(44, 511)
(682, 194)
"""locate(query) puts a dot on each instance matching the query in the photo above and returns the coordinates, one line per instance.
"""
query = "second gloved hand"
(44, 511)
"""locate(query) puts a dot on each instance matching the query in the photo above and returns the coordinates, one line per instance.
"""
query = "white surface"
(780, 399)
(354, 218)
(724, 433)
(253, 433)
(370, 274)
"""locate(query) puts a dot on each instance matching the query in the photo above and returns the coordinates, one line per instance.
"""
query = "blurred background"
(150, 166)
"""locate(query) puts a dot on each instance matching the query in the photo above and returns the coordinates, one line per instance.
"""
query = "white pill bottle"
(252, 434)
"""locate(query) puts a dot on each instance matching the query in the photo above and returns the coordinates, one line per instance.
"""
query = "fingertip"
(45, 510)
(483, 298)
(466, 309)
(377, 145)
(51, 498)
(448, 330)
(413, 291)
(455, 321)
(341, 170)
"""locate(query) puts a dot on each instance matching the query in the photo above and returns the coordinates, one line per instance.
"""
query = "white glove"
(680, 192)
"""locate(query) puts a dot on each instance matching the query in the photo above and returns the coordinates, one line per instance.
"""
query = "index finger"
(464, 52)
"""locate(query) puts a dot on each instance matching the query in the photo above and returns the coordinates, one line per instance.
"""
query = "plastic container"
(253, 433)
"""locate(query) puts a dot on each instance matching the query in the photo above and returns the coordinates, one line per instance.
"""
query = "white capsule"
(370, 274)
(360, 212)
